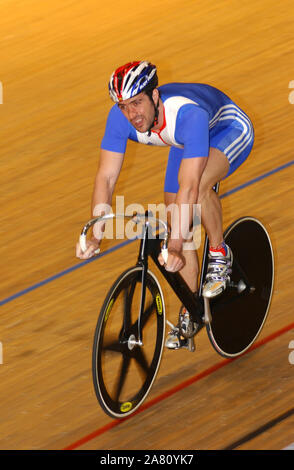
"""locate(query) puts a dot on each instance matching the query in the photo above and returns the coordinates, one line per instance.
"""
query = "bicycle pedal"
(187, 343)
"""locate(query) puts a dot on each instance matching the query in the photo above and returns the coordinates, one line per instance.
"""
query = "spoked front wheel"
(123, 369)
(238, 314)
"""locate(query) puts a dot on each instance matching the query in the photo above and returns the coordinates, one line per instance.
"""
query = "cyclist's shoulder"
(175, 88)
(180, 99)
(194, 91)
(114, 112)
(116, 118)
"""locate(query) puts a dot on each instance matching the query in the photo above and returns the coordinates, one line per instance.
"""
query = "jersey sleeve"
(117, 131)
(192, 131)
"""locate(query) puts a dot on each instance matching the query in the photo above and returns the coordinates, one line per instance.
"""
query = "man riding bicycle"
(209, 138)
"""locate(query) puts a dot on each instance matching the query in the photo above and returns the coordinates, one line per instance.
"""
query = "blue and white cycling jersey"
(196, 117)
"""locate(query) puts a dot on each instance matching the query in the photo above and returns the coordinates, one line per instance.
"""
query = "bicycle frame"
(151, 246)
(198, 307)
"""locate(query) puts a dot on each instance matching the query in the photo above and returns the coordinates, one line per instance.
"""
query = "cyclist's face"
(139, 110)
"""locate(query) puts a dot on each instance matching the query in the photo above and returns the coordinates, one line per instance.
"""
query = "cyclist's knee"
(205, 191)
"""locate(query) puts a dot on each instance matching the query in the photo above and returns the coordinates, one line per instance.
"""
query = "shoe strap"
(216, 277)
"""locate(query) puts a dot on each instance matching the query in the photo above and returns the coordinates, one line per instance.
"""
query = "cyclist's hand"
(175, 260)
(92, 246)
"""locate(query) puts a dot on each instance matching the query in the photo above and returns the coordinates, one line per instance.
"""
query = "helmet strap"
(155, 120)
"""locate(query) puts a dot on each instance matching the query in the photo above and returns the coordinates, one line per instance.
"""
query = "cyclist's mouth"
(138, 122)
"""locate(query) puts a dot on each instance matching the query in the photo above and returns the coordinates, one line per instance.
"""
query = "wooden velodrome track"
(56, 58)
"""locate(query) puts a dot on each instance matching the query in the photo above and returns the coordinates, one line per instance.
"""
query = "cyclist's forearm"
(102, 196)
(182, 218)
(101, 203)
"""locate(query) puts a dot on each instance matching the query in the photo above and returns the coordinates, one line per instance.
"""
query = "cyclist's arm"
(113, 147)
(189, 176)
(110, 164)
(108, 171)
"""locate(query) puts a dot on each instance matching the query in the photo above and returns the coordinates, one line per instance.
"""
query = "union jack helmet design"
(131, 79)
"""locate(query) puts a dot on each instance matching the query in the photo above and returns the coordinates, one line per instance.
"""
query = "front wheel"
(123, 370)
(239, 314)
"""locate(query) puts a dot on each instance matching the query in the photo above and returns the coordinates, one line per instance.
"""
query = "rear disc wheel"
(239, 314)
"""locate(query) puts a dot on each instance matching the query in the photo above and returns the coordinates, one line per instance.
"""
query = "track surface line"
(177, 388)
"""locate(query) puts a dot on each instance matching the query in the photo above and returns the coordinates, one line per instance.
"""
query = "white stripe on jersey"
(232, 112)
(243, 140)
(233, 109)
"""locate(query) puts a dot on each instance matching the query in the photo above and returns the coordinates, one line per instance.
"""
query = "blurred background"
(55, 62)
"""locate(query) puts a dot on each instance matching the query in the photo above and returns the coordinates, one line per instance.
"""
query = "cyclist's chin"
(142, 129)
(142, 126)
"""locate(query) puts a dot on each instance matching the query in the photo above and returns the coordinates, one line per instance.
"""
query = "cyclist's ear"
(155, 95)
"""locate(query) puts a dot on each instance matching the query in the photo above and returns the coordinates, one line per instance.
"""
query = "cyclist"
(209, 138)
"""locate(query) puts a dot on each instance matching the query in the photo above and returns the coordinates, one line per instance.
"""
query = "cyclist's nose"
(132, 113)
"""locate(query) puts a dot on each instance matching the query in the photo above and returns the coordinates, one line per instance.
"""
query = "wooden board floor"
(56, 59)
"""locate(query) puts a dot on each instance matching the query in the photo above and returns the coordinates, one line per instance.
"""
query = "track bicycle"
(130, 332)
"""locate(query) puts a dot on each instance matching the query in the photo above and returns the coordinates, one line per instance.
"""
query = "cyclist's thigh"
(234, 137)
(216, 169)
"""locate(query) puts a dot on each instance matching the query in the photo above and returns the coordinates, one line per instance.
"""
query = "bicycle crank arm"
(191, 344)
(207, 311)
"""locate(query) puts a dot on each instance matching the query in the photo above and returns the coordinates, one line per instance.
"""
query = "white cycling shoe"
(175, 338)
(218, 272)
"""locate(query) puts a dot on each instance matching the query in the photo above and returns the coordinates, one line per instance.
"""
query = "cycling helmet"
(131, 79)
